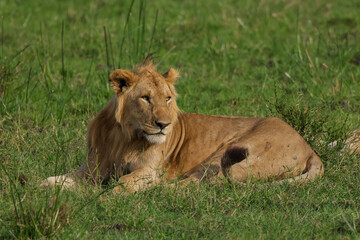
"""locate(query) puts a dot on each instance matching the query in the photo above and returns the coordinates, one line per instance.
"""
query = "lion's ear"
(171, 75)
(120, 80)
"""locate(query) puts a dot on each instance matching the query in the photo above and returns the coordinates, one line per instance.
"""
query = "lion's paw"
(63, 181)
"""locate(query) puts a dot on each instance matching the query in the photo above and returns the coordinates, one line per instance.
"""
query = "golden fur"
(141, 135)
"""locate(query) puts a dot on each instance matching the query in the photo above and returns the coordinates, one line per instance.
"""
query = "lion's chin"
(155, 138)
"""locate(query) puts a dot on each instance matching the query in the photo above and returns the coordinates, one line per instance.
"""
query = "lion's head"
(146, 101)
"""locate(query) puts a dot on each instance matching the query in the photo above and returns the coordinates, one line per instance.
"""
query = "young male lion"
(141, 135)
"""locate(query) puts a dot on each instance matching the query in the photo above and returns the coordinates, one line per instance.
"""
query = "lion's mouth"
(156, 133)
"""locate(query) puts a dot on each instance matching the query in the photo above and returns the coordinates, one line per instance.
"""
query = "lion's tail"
(314, 169)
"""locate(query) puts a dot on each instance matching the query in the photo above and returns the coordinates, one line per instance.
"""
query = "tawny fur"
(141, 136)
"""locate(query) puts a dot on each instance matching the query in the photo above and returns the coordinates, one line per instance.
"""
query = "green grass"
(298, 60)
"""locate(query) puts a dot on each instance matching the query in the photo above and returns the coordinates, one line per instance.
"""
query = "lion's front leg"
(137, 180)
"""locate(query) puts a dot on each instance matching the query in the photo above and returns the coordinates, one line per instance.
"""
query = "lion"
(141, 138)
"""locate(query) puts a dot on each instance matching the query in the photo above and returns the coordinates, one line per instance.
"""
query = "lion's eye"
(146, 98)
(168, 99)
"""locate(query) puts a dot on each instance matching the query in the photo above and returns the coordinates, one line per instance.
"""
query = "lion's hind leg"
(238, 165)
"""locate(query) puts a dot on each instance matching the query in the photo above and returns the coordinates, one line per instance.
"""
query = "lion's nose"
(162, 125)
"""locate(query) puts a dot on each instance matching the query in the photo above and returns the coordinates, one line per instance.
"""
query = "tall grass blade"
(107, 52)
(19, 52)
(2, 38)
(153, 30)
(139, 33)
(143, 32)
(62, 53)
(124, 32)
(27, 86)
(111, 52)
(90, 67)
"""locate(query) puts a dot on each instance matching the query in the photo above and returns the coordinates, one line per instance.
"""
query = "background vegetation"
(298, 60)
